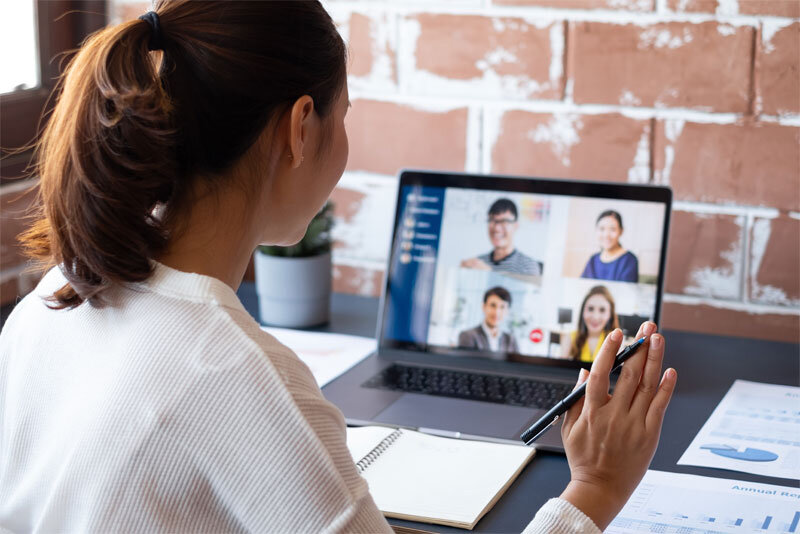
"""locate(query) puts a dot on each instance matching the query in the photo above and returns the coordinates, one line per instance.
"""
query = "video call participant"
(504, 257)
(613, 262)
(598, 317)
(487, 335)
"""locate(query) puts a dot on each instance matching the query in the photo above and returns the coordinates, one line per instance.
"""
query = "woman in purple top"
(613, 262)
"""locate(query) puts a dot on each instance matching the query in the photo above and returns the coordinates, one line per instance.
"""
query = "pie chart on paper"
(749, 454)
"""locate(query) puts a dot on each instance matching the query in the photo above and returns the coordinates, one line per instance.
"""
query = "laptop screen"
(522, 269)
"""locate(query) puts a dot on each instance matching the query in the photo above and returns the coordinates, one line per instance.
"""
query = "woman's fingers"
(575, 411)
(631, 373)
(655, 414)
(597, 388)
(648, 385)
(646, 329)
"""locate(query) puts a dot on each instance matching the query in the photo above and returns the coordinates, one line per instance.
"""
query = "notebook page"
(362, 439)
(446, 479)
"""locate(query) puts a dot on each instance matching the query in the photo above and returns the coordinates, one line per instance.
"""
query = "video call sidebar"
(416, 245)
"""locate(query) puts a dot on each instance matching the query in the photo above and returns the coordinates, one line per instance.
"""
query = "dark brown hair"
(583, 331)
(133, 129)
(503, 205)
(610, 213)
(499, 292)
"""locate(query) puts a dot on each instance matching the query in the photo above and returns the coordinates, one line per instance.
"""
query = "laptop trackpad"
(457, 415)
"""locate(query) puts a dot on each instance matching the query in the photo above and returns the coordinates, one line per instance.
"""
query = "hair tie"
(156, 41)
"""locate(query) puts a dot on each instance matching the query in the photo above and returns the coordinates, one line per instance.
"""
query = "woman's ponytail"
(106, 159)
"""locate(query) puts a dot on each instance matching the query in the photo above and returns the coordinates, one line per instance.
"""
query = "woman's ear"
(300, 123)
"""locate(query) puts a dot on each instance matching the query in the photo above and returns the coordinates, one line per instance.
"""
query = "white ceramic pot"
(293, 292)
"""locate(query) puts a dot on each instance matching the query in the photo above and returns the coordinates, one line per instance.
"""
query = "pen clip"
(542, 431)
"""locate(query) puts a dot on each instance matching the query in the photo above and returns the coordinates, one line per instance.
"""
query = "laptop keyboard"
(469, 385)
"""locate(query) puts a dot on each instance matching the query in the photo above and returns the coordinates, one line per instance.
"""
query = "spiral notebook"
(433, 479)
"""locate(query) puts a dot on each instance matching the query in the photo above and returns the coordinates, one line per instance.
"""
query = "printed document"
(327, 355)
(754, 429)
(690, 504)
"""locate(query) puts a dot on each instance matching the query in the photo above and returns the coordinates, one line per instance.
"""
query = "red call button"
(536, 335)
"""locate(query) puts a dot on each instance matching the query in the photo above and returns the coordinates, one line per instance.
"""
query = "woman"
(136, 393)
(613, 262)
(596, 320)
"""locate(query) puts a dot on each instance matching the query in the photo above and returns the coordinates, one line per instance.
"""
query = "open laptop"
(495, 289)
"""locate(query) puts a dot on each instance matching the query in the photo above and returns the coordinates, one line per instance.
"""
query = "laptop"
(497, 290)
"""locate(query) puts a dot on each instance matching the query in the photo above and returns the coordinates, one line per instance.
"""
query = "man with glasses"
(504, 257)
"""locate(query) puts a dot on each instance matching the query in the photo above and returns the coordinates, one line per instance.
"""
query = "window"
(18, 47)
(33, 53)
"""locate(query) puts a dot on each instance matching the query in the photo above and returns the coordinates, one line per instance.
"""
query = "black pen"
(553, 414)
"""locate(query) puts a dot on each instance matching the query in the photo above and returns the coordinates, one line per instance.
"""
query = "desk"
(707, 366)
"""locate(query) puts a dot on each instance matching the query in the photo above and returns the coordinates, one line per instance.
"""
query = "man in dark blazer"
(487, 336)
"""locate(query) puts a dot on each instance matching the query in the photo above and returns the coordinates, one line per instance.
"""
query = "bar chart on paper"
(690, 504)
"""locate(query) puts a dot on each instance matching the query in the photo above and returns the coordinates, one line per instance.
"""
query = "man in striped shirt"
(504, 257)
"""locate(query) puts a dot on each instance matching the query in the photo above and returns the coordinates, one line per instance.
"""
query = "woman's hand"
(610, 439)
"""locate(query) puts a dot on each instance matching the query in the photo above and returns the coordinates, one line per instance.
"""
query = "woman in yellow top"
(598, 317)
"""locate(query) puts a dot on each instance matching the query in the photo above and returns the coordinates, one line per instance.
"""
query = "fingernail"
(655, 341)
(649, 328)
(616, 335)
(670, 373)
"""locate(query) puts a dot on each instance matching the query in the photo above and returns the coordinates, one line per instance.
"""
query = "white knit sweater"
(171, 410)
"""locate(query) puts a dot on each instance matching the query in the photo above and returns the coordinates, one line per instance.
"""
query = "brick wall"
(701, 95)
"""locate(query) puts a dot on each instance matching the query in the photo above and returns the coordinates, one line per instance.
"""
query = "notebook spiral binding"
(379, 449)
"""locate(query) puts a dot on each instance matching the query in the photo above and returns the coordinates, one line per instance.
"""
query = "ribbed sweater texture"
(170, 410)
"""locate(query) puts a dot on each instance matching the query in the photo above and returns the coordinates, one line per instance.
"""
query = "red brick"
(357, 280)
(775, 261)
(705, 255)
(347, 203)
(702, 66)
(364, 208)
(780, 8)
(724, 322)
(750, 163)
(509, 54)
(629, 5)
(600, 147)
(778, 71)
(14, 219)
(371, 52)
(386, 137)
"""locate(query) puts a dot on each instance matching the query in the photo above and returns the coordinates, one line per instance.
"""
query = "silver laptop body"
(494, 290)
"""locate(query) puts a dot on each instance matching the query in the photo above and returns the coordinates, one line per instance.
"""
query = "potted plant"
(294, 283)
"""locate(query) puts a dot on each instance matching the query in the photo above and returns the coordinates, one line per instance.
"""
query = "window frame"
(61, 25)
